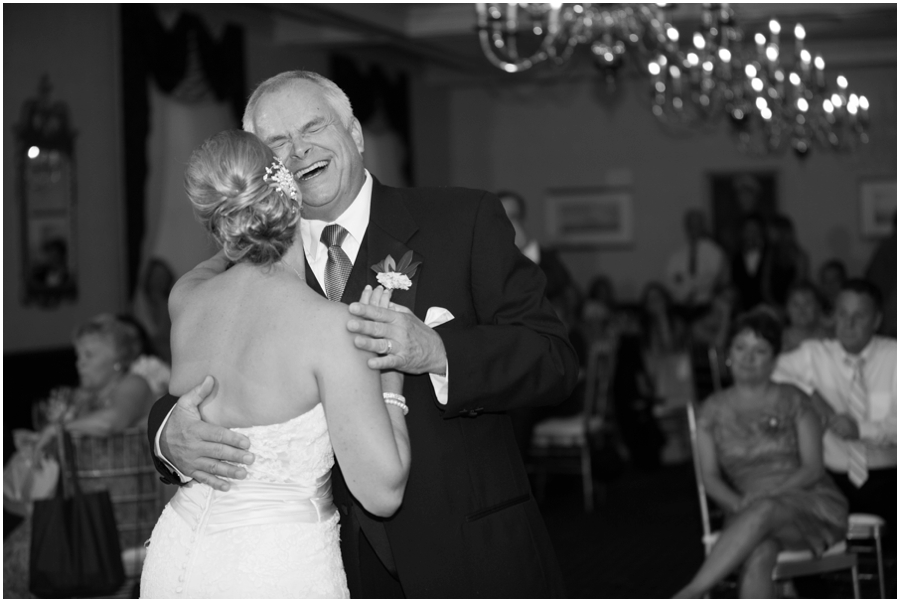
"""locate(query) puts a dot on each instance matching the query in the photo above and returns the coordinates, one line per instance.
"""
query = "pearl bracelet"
(395, 399)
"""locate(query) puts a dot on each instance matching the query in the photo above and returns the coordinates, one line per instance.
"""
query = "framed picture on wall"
(589, 216)
(877, 206)
(734, 195)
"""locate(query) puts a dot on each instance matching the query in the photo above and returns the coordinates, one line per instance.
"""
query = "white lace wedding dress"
(272, 535)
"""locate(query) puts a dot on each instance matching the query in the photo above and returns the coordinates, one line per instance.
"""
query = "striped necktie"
(857, 404)
(338, 267)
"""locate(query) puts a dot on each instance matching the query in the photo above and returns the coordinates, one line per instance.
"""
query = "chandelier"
(774, 94)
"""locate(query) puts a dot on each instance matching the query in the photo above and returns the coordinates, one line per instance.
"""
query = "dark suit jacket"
(468, 526)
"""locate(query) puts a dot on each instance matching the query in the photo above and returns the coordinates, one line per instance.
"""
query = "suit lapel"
(390, 228)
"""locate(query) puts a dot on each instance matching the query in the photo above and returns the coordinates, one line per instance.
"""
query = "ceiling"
(444, 35)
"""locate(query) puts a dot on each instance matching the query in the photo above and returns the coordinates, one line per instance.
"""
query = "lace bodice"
(296, 451)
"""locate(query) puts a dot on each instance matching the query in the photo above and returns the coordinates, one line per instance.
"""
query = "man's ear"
(357, 135)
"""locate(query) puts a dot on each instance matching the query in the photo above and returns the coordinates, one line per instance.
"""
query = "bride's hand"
(391, 380)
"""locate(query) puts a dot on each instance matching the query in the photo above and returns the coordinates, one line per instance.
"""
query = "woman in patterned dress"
(760, 447)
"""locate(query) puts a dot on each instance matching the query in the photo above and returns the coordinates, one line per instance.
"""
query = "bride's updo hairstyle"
(250, 219)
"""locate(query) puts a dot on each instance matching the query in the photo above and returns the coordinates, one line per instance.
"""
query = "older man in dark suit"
(474, 333)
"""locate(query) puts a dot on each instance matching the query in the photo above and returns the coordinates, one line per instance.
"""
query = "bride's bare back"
(264, 335)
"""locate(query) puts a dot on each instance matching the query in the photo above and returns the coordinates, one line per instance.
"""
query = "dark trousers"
(878, 495)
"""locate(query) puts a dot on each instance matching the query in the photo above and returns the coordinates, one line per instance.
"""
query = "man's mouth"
(311, 172)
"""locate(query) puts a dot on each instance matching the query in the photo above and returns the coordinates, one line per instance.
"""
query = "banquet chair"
(868, 528)
(122, 464)
(563, 444)
(791, 563)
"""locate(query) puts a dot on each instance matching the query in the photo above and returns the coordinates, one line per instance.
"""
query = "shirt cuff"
(434, 318)
(158, 452)
(441, 385)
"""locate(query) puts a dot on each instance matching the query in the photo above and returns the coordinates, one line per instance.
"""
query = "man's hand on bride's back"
(201, 450)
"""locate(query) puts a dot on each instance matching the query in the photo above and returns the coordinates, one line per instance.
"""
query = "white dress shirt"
(697, 287)
(823, 366)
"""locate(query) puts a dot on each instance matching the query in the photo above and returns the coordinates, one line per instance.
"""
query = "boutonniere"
(392, 275)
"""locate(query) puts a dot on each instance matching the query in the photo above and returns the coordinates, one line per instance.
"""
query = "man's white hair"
(338, 99)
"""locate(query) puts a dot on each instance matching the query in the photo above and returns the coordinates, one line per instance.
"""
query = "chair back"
(598, 381)
(122, 464)
(698, 477)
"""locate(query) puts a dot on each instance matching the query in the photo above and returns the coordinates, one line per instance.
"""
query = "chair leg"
(855, 575)
(880, 561)
(587, 479)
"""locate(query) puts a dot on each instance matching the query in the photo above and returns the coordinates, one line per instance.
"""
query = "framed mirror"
(45, 166)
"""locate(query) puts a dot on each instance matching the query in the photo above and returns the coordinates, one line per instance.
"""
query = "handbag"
(75, 548)
(25, 480)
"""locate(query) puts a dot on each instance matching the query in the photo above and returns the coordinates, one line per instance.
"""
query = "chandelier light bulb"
(672, 33)
(794, 78)
(725, 55)
(799, 32)
(766, 113)
(826, 104)
(802, 105)
(774, 27)
(761, 104)
(578, 8)
(842, 82)
(854, 99)
(836, 101)
(863, 103)
(750, 70)
(537, 30)
(852, 108)
(33, 152)
(772, 52)
(699, 41)
(707, 66)
(663, 61)
(819, 63)
(756, 84)
(779, 76)
(653, 68)
(555, 5)
(692, 59)
(805, 56)
(674, 71)
(759, 39)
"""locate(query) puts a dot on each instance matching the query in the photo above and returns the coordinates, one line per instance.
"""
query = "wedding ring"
(388, 351)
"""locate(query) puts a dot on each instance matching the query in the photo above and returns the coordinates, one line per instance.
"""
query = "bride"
(287, 376)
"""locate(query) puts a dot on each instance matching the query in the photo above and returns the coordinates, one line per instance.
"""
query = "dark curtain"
(150, 53)
(371, 88)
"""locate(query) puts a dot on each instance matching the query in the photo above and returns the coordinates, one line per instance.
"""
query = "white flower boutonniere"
(392, 275)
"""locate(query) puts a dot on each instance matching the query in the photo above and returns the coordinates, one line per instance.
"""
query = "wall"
(77, 47)
(568, 132)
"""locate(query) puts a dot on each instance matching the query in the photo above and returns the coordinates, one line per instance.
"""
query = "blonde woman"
(288, 376)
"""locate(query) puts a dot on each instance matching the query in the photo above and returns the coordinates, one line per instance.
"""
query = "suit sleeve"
(158, 413)
(519, 353)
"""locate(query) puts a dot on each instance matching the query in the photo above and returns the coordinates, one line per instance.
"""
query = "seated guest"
(663, 343)
(788, 262)
(695, 270)
(832, 276)
(110, 398)
(804, 313)
(711, 328)
(856, 376)
(760, 451)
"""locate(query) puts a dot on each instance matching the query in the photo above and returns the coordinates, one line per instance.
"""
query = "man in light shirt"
(696, 270)
(856, 376)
